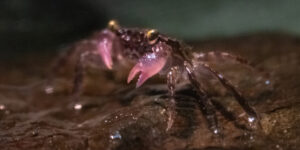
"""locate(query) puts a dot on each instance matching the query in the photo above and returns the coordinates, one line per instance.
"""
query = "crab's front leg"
(151, 64)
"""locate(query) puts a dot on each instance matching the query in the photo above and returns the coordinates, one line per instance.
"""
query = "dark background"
(43, 25)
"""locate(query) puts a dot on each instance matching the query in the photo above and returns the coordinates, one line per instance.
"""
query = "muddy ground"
(36, 113)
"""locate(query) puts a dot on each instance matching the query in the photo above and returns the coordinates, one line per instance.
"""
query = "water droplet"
(201, 55)
(224, 54)
(7, 112)
(49, 89)
(278, 146)
(251, 137)
(116, 135)
(2, 107)
(77, 106)
(157, 49)
(127, 38)
(216, 131)
(267, 82)
(151, 56)
(34, 133)
(163, 111)
(220, 76)
(251, 119)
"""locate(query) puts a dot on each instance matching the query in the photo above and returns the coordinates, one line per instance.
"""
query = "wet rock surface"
(36, 114)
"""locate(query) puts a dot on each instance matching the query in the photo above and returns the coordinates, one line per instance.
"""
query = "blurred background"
(35, 25)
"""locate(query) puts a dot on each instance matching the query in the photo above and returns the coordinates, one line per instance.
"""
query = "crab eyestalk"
(113, 25)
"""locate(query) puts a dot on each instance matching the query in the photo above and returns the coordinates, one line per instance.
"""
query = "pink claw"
(148, 65)
(105, 47)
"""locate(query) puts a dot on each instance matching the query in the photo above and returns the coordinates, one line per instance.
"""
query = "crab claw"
(105, 47)
(149, 65)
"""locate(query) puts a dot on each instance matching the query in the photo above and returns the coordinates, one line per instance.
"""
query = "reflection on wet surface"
(113, 115)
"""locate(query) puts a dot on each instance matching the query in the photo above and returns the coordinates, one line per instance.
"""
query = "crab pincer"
(105, 47)
(148, 65)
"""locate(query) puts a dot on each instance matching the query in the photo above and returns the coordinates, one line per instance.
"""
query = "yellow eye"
(113, 25)
(152, 36)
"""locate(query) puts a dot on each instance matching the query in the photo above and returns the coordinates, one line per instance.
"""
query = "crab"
(154, 53)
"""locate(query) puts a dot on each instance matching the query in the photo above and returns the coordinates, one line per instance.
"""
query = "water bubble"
(267, 82)
(216, 131)
(220, 76)
(251, 137)
(127, 38)
(34, 133)
(2, 107)
(79, 125)
(7, 112)
(278, 147)
(116, 135)
(49, 89)
(77, 106)
(201, 55)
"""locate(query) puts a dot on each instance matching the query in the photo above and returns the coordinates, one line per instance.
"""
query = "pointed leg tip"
(128, 80)
(109, 67)
(130, 77)
(138, 85)
(133, 72)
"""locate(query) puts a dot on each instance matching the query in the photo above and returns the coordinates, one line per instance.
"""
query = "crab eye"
(152, 36)
(113, 25)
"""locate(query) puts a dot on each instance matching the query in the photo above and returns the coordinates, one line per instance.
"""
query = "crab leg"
(79, 71)
(238, 96)
(62, 59)
(171, 82)
(204, 102)
(222, 55)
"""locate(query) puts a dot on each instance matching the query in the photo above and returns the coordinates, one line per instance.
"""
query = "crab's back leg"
(81, 63)
(228, 115)
(204, 101)
(172, 79)
(221, 56)
(238, 96)
(61, 61)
